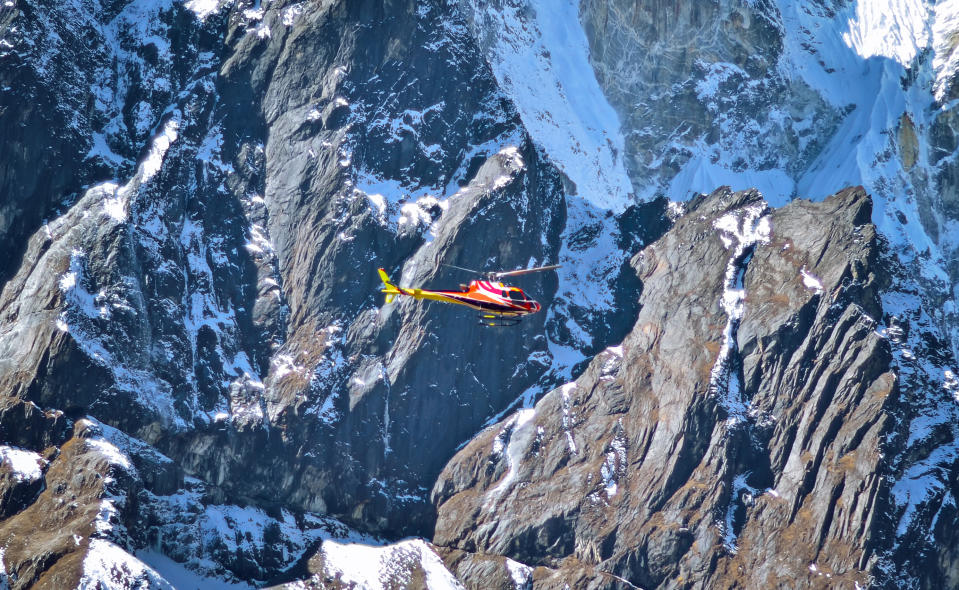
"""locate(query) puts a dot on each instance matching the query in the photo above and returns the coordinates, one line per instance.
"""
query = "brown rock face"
(733, 440)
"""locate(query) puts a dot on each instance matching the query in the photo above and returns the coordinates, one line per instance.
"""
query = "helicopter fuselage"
(487, 297)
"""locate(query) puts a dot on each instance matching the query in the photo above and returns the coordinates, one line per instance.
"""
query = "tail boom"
(389, 288)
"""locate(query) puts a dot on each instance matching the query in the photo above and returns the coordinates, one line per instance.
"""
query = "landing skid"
(498, 321)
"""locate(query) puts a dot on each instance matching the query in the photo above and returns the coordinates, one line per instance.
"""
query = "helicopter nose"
(536, 307)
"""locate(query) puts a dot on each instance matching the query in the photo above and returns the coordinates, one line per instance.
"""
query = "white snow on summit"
(897, 29)
(108, 566)
(871, 60)
(540, 57)
(944, 41)
(374, 566)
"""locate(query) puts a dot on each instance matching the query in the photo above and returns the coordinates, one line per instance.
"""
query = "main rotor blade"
(523, 271)
(475, 272)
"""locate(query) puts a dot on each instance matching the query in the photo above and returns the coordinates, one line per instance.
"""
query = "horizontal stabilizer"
(388, 287)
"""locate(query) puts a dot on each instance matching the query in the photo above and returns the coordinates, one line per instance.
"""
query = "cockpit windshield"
(517, 295)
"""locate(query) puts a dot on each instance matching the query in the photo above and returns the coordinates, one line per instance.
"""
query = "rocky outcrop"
(199, 377)
(735, 438)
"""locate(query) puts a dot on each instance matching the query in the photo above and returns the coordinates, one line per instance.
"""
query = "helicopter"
(498, 304)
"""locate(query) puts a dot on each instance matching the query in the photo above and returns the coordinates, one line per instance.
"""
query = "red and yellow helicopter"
(498, 304)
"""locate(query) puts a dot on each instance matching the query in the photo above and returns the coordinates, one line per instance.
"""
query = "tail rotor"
(389, 288)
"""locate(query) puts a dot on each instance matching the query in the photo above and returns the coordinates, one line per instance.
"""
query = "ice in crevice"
(515, 436)
(568, 416)
(740, 231)
(741, 494)
(614, 465)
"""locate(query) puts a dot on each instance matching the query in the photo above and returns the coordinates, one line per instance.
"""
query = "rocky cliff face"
(758, 94)
(735, 437)
(201, 384)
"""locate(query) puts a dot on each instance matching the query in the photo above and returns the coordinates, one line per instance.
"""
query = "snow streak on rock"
(522, 575)
(740, 231)
(568, 416)
(517, 435)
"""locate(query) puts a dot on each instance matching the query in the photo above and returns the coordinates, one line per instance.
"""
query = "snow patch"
(107, 566)
(115, 206)
(395, 205)
(25, 466)
(202, 8)
(520, 574)
(810, 281)
(283, 365)
(158, 149)
(291, 13)
(378, 567)
(110, 452)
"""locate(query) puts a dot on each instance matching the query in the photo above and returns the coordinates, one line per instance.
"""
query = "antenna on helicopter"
(475, 272)
(499, 274)
(522, 271)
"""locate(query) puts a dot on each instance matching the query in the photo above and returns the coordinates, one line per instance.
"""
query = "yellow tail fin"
(389, 288)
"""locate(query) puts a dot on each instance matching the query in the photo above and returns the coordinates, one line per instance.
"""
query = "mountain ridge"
(211, 388)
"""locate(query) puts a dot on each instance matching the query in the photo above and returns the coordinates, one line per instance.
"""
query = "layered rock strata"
(738, 435)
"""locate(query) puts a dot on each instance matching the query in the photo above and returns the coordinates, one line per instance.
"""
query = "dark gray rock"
(190, 289)
(709, 442)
